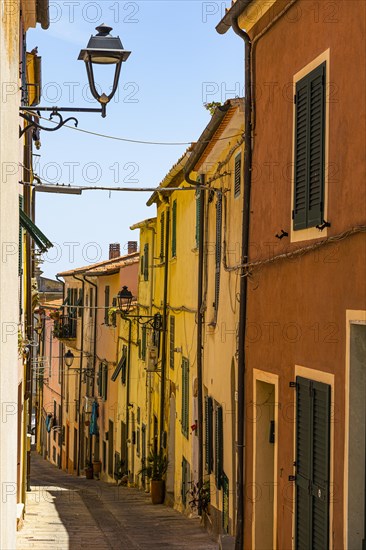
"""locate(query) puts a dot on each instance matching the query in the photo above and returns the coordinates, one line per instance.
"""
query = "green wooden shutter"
(225, 503)
(172, 341)
(146, 262)
(99, 380)
(303, 463)
(106, 305)
(237, 175)
(105, 381)
(143, 343)
(20, 257)
(162, 235)
(185, 396)
(186, 474)
(124, 365)
(312, 464)
(309, 149)
(218, 249)
(114, 315)
(321, 461)
(174, 229)
(219, 447)
(208, 434)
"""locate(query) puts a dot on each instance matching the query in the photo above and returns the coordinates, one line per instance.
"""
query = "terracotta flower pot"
(89, 472)
(157, 489)
(97, 465)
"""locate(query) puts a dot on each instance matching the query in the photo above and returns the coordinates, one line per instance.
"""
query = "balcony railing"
(64, 327)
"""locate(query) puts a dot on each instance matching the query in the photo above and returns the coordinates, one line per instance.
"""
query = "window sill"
(308, 234)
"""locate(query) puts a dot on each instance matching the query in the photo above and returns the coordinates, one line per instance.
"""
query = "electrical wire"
(128, 140)
(49, 185)
(252, 266)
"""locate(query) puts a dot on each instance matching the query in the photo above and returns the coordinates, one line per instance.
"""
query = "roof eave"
(43, 14)
(235, 11)
(206, 136)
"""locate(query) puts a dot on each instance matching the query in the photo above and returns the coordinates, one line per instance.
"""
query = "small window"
(162, 236)
(146, 262)
(308, 207)
(102, 381)
(172, 341)
(174, 229)
(237, 175)
(143, 343)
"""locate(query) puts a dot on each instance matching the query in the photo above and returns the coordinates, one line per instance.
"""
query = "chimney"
(114, 250)
(131, 247)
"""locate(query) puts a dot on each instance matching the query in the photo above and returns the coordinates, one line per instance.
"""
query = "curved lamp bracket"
(34, 124)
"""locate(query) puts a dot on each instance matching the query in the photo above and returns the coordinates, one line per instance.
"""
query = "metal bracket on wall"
(26, 112)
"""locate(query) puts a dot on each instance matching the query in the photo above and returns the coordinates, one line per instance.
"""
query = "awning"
(119, 367)
(39, 238)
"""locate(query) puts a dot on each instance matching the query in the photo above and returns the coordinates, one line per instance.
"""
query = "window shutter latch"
(293, 385)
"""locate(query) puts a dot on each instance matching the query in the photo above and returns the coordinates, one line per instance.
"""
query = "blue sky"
(178, 62)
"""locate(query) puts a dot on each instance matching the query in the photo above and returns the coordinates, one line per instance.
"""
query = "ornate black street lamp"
(102, 49)
(124, 299)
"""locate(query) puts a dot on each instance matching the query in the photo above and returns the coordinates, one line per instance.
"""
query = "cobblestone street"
(66, 513)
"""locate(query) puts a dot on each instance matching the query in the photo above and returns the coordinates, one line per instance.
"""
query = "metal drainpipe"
(165, 311)
(28, 305)
(128, 387)
(94, 346)
(199, 332)
(61, 365)
(239, 536)
(149, 374)
(80, 377)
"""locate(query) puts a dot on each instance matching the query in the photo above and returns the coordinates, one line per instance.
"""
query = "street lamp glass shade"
(69, 358)
(104, 49)
(124, 298)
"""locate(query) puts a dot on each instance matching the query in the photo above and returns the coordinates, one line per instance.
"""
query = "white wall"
(9, 159)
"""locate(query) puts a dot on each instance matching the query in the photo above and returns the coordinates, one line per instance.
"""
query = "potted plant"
(89, 470)
(155, 469)
(97, 466)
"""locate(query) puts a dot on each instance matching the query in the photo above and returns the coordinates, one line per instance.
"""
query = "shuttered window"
(102, 380)
(143, 343)
(237, 175)
(186, 474)
(91, 304)
(208, 434)
(20, 257)
(146, 262)
(114, 314)
(185, 396)
(162, 235)
(172, 341)
(106, 305)
(219, 447)
(174, 229)
(218, 250)
(312, 464)
(308, 209)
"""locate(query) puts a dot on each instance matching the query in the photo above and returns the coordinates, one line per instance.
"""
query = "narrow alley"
(66, 513)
